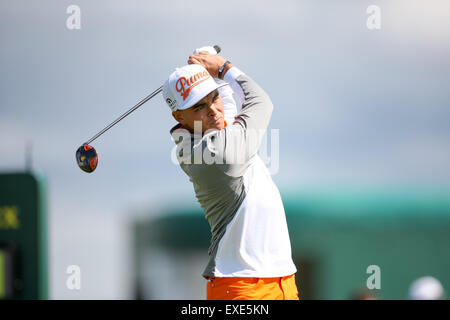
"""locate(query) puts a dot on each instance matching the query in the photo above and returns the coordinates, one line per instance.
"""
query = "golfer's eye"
(199, 107)
(216, 96)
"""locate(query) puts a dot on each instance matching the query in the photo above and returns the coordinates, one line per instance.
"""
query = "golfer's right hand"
(210, 62)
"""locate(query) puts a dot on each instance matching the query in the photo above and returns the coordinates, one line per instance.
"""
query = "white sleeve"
(226, 93)
(230, 77)
(229, 104)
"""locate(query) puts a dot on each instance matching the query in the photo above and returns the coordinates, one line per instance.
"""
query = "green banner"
(23, 237)
(2, 275)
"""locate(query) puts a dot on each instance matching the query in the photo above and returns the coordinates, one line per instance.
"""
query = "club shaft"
(140, 103)
(154, 93)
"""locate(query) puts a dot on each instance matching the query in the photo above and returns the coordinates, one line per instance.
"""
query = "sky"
(353, 106)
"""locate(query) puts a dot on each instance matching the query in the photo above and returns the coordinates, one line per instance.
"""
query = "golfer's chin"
(218, 124)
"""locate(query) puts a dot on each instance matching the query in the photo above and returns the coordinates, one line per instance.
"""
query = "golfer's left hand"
(210, 62)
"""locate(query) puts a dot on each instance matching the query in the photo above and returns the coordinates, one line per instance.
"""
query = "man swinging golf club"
(250, 251)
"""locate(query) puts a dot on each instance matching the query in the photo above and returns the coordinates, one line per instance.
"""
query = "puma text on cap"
(188, 85)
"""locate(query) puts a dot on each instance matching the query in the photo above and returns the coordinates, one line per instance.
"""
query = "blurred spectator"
(426, 288)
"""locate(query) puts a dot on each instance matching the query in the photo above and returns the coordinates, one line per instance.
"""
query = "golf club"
(86, 155)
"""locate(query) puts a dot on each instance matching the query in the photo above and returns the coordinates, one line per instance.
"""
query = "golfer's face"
(209, 111)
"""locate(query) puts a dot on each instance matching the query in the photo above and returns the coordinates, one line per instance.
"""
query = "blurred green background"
(336, 235)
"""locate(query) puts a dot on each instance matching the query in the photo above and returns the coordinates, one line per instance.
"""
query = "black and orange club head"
(87, 158)
(86, 155)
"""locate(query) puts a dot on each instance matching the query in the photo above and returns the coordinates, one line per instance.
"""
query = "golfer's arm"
(257, 107)
(243, 138)
(230, 78)
(229, 104)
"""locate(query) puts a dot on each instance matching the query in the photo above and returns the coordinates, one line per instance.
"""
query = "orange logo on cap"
(184, 86)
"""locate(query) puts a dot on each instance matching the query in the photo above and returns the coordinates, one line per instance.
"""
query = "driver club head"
(87, 158)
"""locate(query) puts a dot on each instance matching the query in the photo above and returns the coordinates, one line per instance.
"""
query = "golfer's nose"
(213, 110)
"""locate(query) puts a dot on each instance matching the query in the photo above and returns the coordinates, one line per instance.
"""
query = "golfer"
(250, 251)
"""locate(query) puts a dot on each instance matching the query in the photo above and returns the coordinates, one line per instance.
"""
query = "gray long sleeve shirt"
(241, 202)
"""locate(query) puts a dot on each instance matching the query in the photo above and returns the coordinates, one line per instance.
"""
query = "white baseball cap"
(188, 85)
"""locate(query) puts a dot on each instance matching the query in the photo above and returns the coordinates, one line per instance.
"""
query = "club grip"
(217, 48)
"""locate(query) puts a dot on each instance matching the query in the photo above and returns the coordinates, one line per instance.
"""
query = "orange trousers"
(281, 288)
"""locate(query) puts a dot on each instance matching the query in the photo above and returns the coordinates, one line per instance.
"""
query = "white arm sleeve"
(226, 93)
(229, 104)
(230, 78)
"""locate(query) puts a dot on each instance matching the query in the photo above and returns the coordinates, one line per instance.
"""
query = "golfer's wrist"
(232, 74)
(226, 66)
